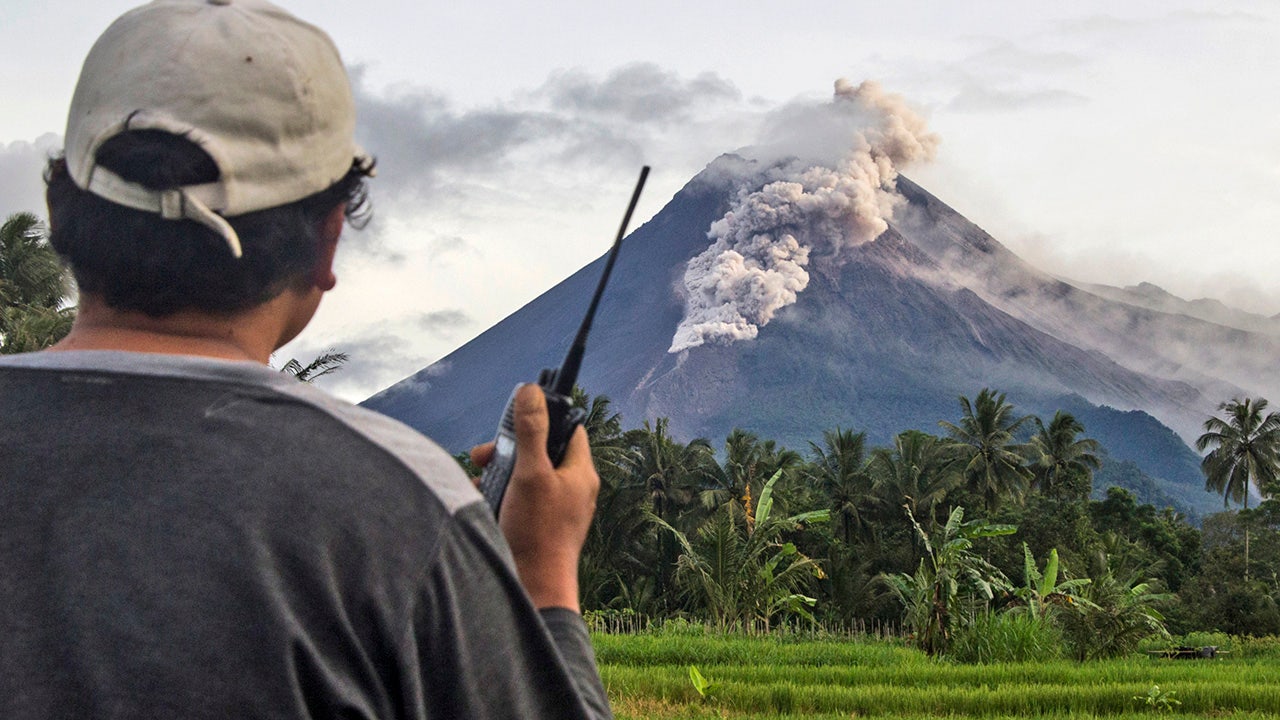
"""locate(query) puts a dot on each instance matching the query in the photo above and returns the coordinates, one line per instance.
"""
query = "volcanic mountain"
(885, 337)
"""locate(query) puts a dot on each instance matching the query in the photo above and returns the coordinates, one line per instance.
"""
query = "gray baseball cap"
(262, 92)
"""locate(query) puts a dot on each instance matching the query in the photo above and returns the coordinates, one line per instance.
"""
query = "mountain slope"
(1154, 297)
(1218, 361)
(885, 337)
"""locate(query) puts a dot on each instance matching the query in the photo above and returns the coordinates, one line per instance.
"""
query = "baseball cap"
(263, 93)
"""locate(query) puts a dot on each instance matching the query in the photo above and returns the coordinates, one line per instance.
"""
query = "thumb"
(532, 426)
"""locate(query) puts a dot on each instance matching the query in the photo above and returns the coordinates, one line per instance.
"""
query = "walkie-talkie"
(557, 385)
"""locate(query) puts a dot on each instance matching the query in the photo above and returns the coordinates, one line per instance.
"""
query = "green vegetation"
(324, 364)
(34, 287)
(986, 543)
(649, 676)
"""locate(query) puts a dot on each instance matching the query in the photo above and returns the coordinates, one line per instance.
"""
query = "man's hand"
(547, 510)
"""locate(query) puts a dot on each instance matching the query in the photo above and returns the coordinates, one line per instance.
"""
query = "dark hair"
(136, 260)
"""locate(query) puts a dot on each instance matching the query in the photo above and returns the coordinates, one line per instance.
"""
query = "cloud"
(418, 137)
(974, 97)
(1108, 27)
(443, 323)
(1014, 60)
(428, 151)
(22, 172)
(380, 353)
(642, 92)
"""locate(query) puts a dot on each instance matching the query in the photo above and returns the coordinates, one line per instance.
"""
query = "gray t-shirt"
(193, 538)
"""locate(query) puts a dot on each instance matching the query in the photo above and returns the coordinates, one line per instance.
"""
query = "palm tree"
(1063, 464)
(994, 467)
(604, 428)
(620, 558)
(672, 473)
(669, 476)
(916, 473)
(839, 467)
(1246, 451)
(34, 286)
(324, 364)
(748, 462)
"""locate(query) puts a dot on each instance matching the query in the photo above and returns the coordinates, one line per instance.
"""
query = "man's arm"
(545, 516)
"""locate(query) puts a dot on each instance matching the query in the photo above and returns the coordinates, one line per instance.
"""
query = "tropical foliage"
(994, 467)
(1246, 454)
(1246, 450)
(35, 289)
(916, 536)
(324, 364)
(742, 569)
(951, 584)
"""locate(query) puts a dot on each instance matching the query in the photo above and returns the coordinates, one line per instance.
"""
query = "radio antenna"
(567, 375)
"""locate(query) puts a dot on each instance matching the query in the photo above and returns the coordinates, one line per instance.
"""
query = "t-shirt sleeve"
(484, 650)
(570, 635)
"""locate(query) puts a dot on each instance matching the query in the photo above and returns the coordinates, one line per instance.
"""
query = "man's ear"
(323, 276)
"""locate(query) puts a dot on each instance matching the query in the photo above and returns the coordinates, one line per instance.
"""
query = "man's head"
(207, 142)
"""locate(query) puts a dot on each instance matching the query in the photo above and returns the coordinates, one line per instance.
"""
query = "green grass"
(648, 677)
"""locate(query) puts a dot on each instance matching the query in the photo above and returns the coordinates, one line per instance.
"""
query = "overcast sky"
(1105, 142)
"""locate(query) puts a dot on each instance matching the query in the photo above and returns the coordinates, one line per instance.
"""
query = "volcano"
(886, 336)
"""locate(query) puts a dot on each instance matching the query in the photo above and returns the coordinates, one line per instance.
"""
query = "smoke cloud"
(756, 263)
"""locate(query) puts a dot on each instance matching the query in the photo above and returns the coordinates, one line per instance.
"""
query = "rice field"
(766, 677)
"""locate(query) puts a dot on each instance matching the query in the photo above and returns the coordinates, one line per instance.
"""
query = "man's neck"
(251, 335)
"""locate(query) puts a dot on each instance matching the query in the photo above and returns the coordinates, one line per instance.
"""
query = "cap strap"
(173, 204)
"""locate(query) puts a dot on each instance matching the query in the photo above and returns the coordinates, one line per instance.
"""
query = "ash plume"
(756, 263)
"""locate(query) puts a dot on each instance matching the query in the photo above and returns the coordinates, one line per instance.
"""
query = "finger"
(482, 454)
(532, 426)
(579, 449)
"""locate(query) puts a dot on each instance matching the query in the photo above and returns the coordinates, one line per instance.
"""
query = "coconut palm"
(672, 473)
(748, 463)
(666, 479)
(839, 467)
(1246, 453)
(609, 449)
(323, 364)
(34, 287)
(916, 473)
(1063, 465)
(986, 435)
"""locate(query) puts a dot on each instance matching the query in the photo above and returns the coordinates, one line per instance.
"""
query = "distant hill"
(886, 336)
(1154, 297)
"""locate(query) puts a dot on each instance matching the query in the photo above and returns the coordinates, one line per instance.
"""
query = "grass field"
(648, 677)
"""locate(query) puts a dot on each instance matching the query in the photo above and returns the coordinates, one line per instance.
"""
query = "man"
(186, 533)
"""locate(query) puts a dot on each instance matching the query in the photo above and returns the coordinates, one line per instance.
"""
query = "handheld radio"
(557, 385)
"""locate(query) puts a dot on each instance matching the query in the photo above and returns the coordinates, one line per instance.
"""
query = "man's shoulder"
(416, 451)
(265, 401)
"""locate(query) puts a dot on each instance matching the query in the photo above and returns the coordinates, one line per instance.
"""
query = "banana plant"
(950, 581)
(740, 572)
(1042, 593)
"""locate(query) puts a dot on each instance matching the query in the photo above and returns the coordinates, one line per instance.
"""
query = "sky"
(1104, 142)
